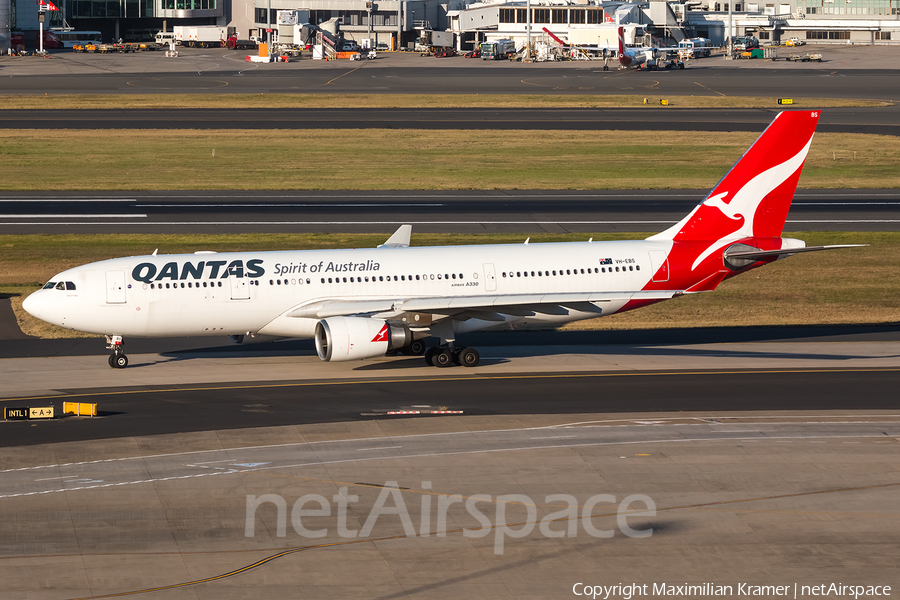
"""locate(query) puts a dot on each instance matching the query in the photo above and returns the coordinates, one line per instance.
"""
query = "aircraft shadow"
(414, 362)
(183, 348)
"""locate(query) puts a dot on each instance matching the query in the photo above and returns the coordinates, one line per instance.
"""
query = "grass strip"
(414, 159)
(126, 101)
(839, 287)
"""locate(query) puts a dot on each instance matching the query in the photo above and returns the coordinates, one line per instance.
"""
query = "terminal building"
(397, 23)
(813, 21)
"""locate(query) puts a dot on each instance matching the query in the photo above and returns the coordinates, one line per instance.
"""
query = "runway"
(511, 211)
(880, 121)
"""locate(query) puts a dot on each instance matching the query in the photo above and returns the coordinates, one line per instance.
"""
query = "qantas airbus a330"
(364, 303)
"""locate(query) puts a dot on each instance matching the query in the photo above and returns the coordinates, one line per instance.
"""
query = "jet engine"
(355, 338)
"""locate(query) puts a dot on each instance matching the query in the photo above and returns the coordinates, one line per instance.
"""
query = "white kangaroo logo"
(745, 202)
(727, 209)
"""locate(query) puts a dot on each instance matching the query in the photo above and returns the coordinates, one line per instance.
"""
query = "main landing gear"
(117, 360)
(444, 356)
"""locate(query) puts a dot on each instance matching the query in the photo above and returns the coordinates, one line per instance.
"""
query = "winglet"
(400, 239)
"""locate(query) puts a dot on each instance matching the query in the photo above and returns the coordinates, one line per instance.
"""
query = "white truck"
(203, 36)
(430, 40)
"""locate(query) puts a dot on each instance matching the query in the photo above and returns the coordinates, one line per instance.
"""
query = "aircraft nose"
(34, 304)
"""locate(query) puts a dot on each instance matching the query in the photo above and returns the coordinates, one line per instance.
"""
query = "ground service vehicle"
(694, 48)
(497, 50)
(164, 38)
(236, 44)
(203, 36)
(430, 40)
(745, 43)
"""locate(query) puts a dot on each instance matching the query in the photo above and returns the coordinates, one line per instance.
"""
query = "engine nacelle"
(355, 338)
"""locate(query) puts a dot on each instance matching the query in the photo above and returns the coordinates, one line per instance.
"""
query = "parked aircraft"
(649, 57)
(364, 303)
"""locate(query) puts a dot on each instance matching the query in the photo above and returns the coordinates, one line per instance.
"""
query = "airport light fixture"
(370, 6)
(527, 57)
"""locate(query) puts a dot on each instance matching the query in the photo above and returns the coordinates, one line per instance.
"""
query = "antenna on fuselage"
(154, 252)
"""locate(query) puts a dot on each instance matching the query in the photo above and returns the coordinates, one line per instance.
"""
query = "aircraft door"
(115, 287)
(490, 278)
(240, 289)
(659, 264)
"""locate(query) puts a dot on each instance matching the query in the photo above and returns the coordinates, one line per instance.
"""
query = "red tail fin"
(621, 34)
(753, 199)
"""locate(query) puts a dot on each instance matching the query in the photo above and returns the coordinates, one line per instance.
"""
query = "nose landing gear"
(117, 360)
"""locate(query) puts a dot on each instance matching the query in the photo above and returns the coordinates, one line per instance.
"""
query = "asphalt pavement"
(169, 407)
(883, 120)
(467, 211)
(846, 73)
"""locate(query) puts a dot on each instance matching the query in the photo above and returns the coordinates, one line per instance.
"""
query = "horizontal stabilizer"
(787, 251)
(400, 239)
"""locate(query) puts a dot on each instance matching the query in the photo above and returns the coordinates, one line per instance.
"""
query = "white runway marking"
(448, 453)
(51, 199)
(589, 424)
(120, 216)
(299, 205)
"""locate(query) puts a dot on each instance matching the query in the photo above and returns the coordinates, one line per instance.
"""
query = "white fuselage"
(256, 292)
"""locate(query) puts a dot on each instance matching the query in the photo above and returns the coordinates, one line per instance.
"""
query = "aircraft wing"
(488, 307)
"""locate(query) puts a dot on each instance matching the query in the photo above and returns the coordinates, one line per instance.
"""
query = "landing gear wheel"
(417, 348)
(429, 356)
(469, 357)
(443, 358)
(118, 361)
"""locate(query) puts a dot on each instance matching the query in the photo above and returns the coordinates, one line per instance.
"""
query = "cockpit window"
(49, 285)
(70, 285)
(60, 286)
